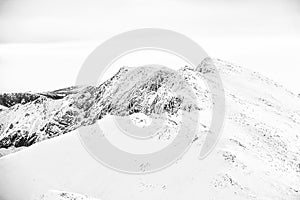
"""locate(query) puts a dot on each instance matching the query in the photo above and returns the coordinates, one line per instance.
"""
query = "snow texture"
(62, 195)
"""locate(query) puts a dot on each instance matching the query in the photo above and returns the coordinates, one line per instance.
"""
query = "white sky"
(43, 43)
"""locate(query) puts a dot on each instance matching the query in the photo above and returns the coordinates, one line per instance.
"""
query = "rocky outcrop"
(47, 115)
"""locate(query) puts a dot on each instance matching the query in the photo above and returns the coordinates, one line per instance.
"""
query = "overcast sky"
(43, 43)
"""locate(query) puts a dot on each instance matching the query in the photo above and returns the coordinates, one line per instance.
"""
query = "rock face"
(47, 115)
(258, 154)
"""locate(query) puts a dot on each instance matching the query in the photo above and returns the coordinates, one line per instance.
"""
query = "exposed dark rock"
(47, 115)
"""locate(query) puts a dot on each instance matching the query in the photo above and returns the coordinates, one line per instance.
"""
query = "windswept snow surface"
(63, 195)
(257, 157)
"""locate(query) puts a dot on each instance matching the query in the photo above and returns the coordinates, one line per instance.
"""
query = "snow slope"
(62, 195)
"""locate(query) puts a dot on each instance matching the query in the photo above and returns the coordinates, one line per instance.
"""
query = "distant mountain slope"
(11, 99)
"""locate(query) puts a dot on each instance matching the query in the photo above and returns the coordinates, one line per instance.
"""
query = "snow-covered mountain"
(257, 157)
(36, 117)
